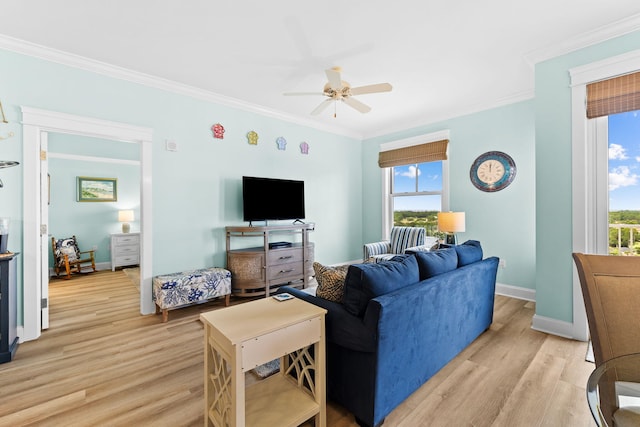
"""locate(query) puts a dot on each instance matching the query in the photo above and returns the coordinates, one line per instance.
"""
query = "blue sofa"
(400, 322)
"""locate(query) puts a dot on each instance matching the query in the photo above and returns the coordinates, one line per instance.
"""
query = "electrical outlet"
(502, 263)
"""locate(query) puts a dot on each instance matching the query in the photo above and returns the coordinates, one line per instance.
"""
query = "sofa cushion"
(367, 281)
(469, 252)
(436, 262)
(330, 281)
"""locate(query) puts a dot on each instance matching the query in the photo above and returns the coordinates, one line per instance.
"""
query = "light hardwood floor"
(101, 363)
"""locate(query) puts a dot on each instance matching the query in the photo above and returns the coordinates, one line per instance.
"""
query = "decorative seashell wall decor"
(252, 136)
(218, 131)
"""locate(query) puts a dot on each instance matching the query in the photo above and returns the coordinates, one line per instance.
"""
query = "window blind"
(429, 152)
(612, 96)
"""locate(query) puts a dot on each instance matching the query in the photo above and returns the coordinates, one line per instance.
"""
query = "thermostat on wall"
(171, 145)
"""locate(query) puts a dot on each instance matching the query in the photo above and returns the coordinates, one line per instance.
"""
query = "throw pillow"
(367, 281)
(330, 281)
(437, 262)
(65, 250)
(468, 252)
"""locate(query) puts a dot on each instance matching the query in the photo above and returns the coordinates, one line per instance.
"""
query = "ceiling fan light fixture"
(338, 89)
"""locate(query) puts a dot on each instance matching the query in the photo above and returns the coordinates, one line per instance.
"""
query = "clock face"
(492, 171)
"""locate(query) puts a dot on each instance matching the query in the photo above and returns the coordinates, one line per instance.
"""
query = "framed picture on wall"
(97, 189)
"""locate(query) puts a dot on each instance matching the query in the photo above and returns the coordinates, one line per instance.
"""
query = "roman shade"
(612, 96)
(429, 152)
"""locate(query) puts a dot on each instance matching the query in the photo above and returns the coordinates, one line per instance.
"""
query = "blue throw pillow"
(436, 262)
(469, 252)
(367, 281)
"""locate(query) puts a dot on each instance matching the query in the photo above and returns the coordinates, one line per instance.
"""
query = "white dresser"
(125, 249)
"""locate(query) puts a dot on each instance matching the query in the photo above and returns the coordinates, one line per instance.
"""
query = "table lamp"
(451, 223)
(125, 217)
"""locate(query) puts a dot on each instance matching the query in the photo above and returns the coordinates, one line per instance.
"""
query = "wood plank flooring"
(102, 363)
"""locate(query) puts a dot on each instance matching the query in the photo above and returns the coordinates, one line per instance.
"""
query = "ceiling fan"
(337, 89)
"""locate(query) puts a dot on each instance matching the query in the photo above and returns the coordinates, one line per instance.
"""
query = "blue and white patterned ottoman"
(190, 287)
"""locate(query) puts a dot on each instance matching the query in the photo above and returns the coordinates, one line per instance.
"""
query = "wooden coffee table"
(239, 338)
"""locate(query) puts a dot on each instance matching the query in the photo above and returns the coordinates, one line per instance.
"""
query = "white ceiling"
(443, 58)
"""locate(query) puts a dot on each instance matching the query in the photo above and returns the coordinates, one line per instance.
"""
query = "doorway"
(36, 126)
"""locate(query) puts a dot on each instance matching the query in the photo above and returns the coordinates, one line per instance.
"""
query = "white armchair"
(400, 240)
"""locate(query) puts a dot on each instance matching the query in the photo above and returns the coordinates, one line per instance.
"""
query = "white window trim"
(387, 204)
(588, 202)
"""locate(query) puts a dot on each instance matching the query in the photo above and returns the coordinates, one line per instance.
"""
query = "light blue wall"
(91, 222)
(553, 174)
(504, 221)
(196, 190)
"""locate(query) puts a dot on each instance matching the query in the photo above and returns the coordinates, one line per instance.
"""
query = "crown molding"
(589, 38)
(605, 69)
(455, 112)
(76, 61)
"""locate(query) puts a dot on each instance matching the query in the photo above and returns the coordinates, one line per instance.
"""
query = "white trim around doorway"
(37, 122)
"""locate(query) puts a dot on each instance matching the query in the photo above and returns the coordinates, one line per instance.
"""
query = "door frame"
(589, 204)
(37, 123)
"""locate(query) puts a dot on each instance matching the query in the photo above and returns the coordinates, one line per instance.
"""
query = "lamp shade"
(125, 216)
(451, 222)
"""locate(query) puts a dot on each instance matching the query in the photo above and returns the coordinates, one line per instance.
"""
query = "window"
(622, 174)
(415, 181)
(416, 195)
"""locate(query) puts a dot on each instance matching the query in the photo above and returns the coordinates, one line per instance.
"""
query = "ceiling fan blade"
(380, 87)
(335, 80)
(302, 93)
(352, 102)
(323, 105)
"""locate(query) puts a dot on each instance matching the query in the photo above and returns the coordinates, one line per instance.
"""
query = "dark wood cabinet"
(8, 309)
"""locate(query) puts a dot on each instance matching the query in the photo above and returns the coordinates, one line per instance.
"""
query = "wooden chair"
(67, 255)
(611, 292)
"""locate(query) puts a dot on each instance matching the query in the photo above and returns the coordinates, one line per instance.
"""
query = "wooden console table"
(241, 337)
(256, 270)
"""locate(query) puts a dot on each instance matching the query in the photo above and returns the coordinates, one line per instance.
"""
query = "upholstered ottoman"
(177, 290)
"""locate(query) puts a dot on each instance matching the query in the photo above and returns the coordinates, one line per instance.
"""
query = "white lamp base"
(126, 227)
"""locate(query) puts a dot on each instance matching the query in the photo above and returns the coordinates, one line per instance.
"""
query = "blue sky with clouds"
(624, 161)
(429, 178)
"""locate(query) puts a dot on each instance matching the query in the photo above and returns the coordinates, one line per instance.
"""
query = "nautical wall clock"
(492, 171)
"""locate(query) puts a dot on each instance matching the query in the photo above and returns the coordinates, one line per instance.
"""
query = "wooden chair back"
(611, 292)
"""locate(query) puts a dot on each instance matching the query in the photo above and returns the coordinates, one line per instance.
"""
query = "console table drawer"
(264, 348)
(127, 260)
(132, 239)
(285, 271)
(126, 250)
(280, 256)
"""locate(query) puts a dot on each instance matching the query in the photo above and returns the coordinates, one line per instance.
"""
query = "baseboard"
(99, 266)
(515, 292)
(103, 266)
(552, 326)
(20, 332)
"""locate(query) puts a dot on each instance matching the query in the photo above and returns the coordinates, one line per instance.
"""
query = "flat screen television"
(266, 199)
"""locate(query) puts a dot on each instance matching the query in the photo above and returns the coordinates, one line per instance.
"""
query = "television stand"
(257, 271)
